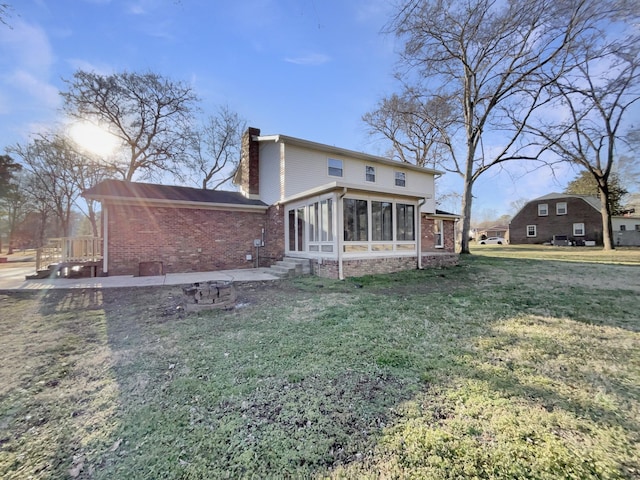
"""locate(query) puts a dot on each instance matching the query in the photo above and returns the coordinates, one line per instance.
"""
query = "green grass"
(500, 368)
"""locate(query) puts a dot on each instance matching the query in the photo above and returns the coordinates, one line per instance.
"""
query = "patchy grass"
(621, 255)
(500, 368)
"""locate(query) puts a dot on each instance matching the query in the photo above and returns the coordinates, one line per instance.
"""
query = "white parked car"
(492, 241)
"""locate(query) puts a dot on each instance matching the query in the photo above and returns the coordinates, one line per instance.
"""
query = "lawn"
(500, 368)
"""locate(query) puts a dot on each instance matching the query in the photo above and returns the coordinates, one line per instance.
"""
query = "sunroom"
(346, 225)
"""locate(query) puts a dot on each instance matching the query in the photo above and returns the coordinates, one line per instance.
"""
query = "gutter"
(419, 224)
(341, 234)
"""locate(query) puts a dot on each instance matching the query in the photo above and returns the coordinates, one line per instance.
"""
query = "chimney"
(250, 164)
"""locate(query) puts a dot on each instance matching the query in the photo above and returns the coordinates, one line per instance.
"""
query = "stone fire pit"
(209, 295)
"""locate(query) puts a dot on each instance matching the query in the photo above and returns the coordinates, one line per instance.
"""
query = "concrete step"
(289, 267)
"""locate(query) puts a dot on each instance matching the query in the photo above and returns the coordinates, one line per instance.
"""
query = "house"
(346, 213)
(493, 231)
(626, 230)
(574, 219)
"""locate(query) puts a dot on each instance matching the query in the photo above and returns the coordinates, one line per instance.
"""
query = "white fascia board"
(181, 204)
(354, 188)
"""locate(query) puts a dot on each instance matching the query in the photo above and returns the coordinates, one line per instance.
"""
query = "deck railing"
(69, 250)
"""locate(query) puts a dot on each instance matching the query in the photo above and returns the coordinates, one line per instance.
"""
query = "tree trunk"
(467, 199)
(607, 228)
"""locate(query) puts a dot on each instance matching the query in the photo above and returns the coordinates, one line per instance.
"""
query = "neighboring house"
(494, 231)
(626, 230)
(346, 212)
(574, 218)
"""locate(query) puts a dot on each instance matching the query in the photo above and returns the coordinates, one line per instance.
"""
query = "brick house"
(575, 217)
(346, 212)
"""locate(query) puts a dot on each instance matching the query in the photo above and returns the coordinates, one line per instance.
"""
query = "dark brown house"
(558, 219)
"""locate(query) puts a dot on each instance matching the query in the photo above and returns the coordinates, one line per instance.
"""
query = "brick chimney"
(249, 180)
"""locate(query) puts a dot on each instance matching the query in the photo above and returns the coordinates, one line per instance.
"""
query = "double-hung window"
(561, 208)
(370, 173)
(578, 229)
(401, 179)
(543, 210)
(532, 231)
(334, 167)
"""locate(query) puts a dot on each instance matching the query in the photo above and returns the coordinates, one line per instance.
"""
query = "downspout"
(419, 243)
(105, 240)
(341, 231)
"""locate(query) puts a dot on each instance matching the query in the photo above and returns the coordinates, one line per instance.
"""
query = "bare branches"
(150, 114)
(215, 148)
(494, 62)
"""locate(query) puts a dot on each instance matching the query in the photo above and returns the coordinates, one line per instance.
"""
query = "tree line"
(488, 82)
(482, 83)
(152, 128)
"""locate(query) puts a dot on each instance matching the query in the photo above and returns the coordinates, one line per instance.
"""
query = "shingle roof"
(590, 199)
(122, 190)
(442, 212)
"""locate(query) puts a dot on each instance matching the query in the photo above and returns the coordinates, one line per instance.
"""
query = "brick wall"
(185, 239)
(375, 266)
(361, 267)
(428, 239)
(578, 211)
(250, 163)
(274, 236)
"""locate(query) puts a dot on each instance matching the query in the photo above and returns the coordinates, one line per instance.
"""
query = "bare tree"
(485, 59)
(418, 131)
(14, 205)
(150, 114)
(51, 164)
(215, 148)
(596, 95)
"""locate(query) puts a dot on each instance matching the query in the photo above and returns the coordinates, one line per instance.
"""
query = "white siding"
(306, 169)
(629, 222)
(270, 181)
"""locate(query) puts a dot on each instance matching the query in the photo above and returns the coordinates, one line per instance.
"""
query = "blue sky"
(303, 68)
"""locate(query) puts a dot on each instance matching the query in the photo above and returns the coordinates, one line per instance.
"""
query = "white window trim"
(395, 179)
(535, 231)
(558, 205)
(329, 167)
(370, 244)
(365, 174)
(306, 203)
(441, 228)
(546, 208)
(581, 228)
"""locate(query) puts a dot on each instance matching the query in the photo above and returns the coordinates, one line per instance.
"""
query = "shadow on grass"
(487, 369)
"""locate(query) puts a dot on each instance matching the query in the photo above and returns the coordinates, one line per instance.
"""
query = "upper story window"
(401, 179)
(335, 167)
(532, 231)
(370, 173)
(561, 208)
(543, 209)
(578, 229)
(623, 228)
(637, 228)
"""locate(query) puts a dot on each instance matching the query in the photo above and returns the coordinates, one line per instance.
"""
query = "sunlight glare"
(94, 139)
